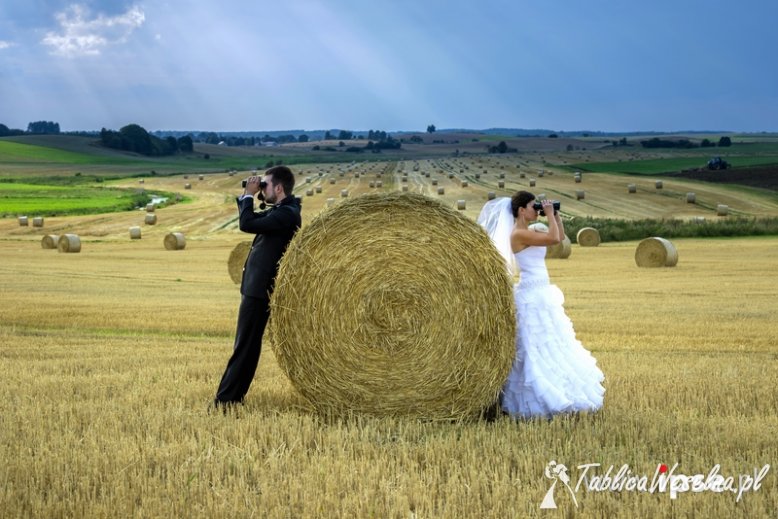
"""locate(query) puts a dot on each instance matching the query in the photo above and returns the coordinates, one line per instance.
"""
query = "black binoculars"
(537, 206)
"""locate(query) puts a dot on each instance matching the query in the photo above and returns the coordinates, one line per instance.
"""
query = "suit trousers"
(252, 318)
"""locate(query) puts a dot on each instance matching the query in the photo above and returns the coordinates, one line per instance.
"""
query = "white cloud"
(5, 44)
(80, 35)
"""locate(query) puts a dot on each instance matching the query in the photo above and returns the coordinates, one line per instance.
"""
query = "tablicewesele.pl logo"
(591, 478)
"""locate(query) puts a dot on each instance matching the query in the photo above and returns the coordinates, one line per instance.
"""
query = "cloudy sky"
(393, 65)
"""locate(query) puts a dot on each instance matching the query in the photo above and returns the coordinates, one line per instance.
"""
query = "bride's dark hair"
(520, 199)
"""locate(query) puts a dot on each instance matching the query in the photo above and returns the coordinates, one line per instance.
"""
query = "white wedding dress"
(552, 372)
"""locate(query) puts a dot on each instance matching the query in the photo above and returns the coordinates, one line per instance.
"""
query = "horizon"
(314, 64)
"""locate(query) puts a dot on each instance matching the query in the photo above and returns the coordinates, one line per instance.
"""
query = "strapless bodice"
(532, 266)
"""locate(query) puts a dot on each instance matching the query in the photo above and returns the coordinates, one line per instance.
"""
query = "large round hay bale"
(330, 202)
(491, 195)
(151, 219)
(37, 221)
(24, 221)
(632, 188)
(441, 191)
(501, 184)
(464, 183)
(332, 181)
(367, 311)
(175, 241)
(344, 193)
(658, 184)
(405, 188)
(237, 260)
(722, 210)
(656, 252)
(561, 250)
(309, 192)
(580, 195)
(577, 178)
(318, 189)
(588, 237)
(532, 182)
(201, 177)
(461, 205)
(135, 233)
(187, 186)
(50, 241)
(69, 243)
(691, 198)
(435, 182)
(150, 208)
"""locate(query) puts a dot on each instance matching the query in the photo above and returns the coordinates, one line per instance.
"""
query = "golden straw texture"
(394, 304)
(237, 260)
(656, 252)
(175, 241)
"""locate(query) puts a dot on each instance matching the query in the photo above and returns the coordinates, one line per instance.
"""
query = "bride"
(552, 372)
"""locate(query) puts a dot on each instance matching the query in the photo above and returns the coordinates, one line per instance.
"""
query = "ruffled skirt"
(552, 372)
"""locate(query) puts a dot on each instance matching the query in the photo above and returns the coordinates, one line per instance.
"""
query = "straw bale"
(141, 181)
(632, 188)
(477, 176)
(381, 330)
(441, 190)
(532, 182)
(318, 189)
(405, 188)
(150, 208)
(464, 183)
(135, 233)
(151, 219)
(332, 181)
(330, 202)
(69, 243)
(435, 182)
(722, 210)
(541, 173)
(237, 260)
(344, 193)
(24, 221)
(491, 195)
(372, 183)
(187, 186)
(561, 250)
(522, 175)
(461, 205)
(656, 252)
(37, 221)
(580, 195)
(501, 184)
(175, 241)
(50, 241)
(577, 179)
(588, 237)
(501, 175)
(658, 184)
(201, 177)
(379, 183)
(309, 192)
(691, 198)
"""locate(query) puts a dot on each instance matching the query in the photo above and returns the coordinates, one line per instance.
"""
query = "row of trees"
(136, 139)
(656, 142)
(43, 128)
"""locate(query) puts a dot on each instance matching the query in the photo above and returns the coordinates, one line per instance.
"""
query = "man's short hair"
(282, 175)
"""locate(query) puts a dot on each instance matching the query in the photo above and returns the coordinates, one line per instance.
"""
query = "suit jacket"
(274, 230)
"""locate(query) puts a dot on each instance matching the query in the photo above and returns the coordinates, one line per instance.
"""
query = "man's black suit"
(274, 230)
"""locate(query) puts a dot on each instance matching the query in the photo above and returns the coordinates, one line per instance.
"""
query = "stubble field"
(110, 358)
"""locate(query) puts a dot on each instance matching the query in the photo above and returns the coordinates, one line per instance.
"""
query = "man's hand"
(252, 185)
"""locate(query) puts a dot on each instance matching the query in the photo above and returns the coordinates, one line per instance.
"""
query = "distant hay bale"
(379, 183)
(461, 205)
(588, 237)
(37, 221)
(141, 181)
(332, 181)
(309, 192)
(50, 241)
(24, 221)
(532, 182)
(441, 190)
(318, 189)
(186, 177)
(541, 173)
(561, 250)
(380, 331)
(69, 243)
(464, 183)
(135, 233)
(577, 178)
(501, 175)
(435, 182)
(150, 208)
(330, 202)
(477, 176)
(522, 175)
(632, 188)
(372, 183)
(580, 195)
(344, 193)
(405, 188)
(658, 184)
(187, 186)
(501, 184)
(175, 241)
(450, 175)
(691, 198)
(151, 219)
(491, 195)
(237, 260)
(656, 252)
(722, 210)
(201, 177)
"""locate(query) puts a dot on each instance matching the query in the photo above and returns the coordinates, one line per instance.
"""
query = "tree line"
(136, 139)
(656, 142)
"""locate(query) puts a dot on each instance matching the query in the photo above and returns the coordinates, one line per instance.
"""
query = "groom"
(274, 230)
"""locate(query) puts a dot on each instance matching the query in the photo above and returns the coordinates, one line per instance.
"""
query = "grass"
(111, 356)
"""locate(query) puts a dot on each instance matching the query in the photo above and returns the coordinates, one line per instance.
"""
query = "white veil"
(497, 220)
